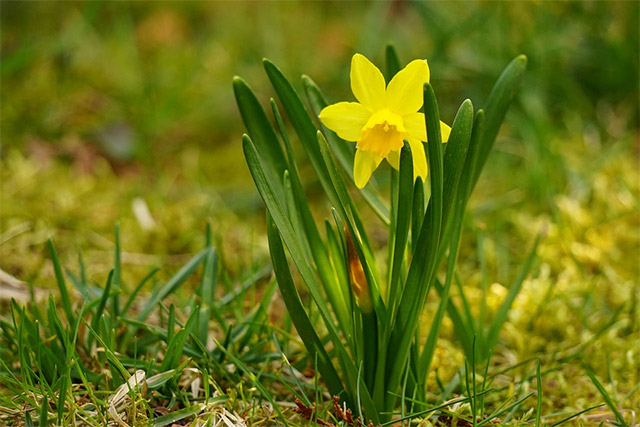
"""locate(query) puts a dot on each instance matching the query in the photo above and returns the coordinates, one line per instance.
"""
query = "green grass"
(86, 76)
(586, 316)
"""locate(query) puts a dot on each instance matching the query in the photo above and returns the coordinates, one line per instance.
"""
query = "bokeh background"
(116, 111)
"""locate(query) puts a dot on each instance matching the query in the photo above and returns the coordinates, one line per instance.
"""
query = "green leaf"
(455, 155)
(393, 62)
(422, 267)
(258, 126)
(175, 344)
(434, 332)
(303, 222)
(137, 289)
(64, 294)
(291, 239)
(349, 213)
(173, 283)
(103, 302)
(417, 215)
(469, 170)
(499, 99)
(172, 417)
(303, 264)
(297, 312)
(539, 390)
(605, 395)
(117, 275)
(303, 125)
(403, 223)
(44, 412)
(207, 292)
(577, 414)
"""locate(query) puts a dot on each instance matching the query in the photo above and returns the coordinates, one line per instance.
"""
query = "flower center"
(383, 133)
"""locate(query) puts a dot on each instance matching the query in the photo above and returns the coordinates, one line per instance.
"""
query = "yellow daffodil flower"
(384, 117)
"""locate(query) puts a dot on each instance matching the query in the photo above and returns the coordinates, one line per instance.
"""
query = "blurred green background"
(105, 103)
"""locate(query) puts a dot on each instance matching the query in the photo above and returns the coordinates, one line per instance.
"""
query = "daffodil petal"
(415, 126)
(367, 83)
(445, 131)
(393, 158)
(404, 93)
(346, 119)
(420, 168)
(363, 166)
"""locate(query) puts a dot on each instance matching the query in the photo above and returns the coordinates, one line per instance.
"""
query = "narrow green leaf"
(403, 223)
(605, 395)
(338, 260)
(343, 150)
(103, 301)
(455, 155)
(180, 414)
(422, 268)
(351, 218)
(292, 241)
(499, 99)
(173, 283)
(297, 312)
(43, 421)
(28, 422)
(207, 292)
(417, 215)
(498, 412)
(117, 274)
(539, 389)
(258, 126)
(137, 289)
(158, 380)
(434, 332)
(302, 123)
(467, 180)
(577, 414)
(64, 294)
(303, 222)
(62, 397)
(175, 345)
(514, 290)
(393, 62)
(257, 319)
(268, 188)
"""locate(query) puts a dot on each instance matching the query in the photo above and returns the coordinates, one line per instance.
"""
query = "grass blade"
(503, 311)
(173, 283)
(117, 273)
(207, 292)
(605, 395)
(64, 294)
(173, 417)
(577, 414)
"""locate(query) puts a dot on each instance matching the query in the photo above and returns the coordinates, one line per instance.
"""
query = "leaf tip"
(522, 58)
